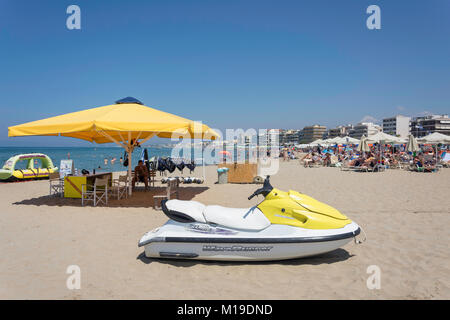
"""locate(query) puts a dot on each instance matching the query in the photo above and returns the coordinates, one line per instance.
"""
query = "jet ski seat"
(193, 211)
(184, 211)
(237, 218)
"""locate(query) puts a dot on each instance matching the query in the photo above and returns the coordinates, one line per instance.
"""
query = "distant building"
(301, 133)
(312, 133)
(364, 128)
(340, 131)
(289, 137)
(270, 138)
(422, 126)
(397, 126)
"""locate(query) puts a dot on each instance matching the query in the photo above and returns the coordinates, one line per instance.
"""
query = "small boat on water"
(33, 169)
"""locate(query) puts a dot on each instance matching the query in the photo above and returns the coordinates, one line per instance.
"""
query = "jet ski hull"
(277, 242)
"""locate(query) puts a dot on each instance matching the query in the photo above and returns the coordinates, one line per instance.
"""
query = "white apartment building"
(364, 128)
(397, 126)
(340, 131)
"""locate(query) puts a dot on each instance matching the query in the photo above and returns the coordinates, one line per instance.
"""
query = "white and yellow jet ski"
(284, 225)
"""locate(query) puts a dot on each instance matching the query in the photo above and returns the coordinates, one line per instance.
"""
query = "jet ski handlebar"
(265, 190)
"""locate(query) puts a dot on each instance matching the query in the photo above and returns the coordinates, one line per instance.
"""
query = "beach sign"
(66, 168)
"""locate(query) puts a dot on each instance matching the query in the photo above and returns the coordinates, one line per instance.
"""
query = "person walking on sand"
(285, 155)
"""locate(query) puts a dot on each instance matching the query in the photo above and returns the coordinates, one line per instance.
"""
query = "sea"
(88, 158)
(99, 158)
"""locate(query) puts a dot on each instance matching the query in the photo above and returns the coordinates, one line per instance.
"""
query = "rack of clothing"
(166, 164)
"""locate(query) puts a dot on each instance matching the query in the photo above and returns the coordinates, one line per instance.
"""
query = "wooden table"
(72, 184)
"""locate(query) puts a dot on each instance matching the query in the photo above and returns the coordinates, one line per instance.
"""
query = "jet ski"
(285, 225)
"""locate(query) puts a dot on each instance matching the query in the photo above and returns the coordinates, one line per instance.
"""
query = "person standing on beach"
(285, 155)
(68, 155)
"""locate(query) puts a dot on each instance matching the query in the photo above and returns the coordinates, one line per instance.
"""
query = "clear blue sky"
(232, 64)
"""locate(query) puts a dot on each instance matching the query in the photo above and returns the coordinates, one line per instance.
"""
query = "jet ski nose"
(150, 236)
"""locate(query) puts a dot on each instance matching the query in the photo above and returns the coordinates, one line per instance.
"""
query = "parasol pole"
(129, 150)
(203, 162)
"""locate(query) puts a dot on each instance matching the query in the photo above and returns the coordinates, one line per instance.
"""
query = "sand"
(404, 214)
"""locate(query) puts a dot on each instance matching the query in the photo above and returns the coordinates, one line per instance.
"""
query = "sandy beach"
(404, 214)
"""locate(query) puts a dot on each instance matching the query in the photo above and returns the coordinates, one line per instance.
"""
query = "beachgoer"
(327, 160)
(140, 174)
(105, 161)
(315, 158)
(284, 155)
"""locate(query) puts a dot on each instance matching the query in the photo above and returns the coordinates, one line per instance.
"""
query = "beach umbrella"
(350, 140)
(412, 145)
(317, 142)
(363, 145)
(225, 153)
(338, 140)
(435, 138)
(124, 123)
(335, 140)
(381, 137)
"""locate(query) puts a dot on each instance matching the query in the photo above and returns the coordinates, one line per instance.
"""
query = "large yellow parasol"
(124, 123)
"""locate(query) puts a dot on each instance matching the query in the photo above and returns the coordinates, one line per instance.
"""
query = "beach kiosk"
(73, 184)
(127, 123)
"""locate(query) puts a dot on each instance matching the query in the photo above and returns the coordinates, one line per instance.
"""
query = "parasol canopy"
(412, 145)
(108, 123)
(363, 146)
(435, 138)
(381, 137)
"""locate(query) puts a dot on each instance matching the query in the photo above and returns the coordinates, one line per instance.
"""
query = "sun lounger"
(346, 167)
(427, 168)
(445, 160)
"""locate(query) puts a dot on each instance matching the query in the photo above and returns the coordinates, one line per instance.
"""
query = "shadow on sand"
(139, 198)
(326, 258)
